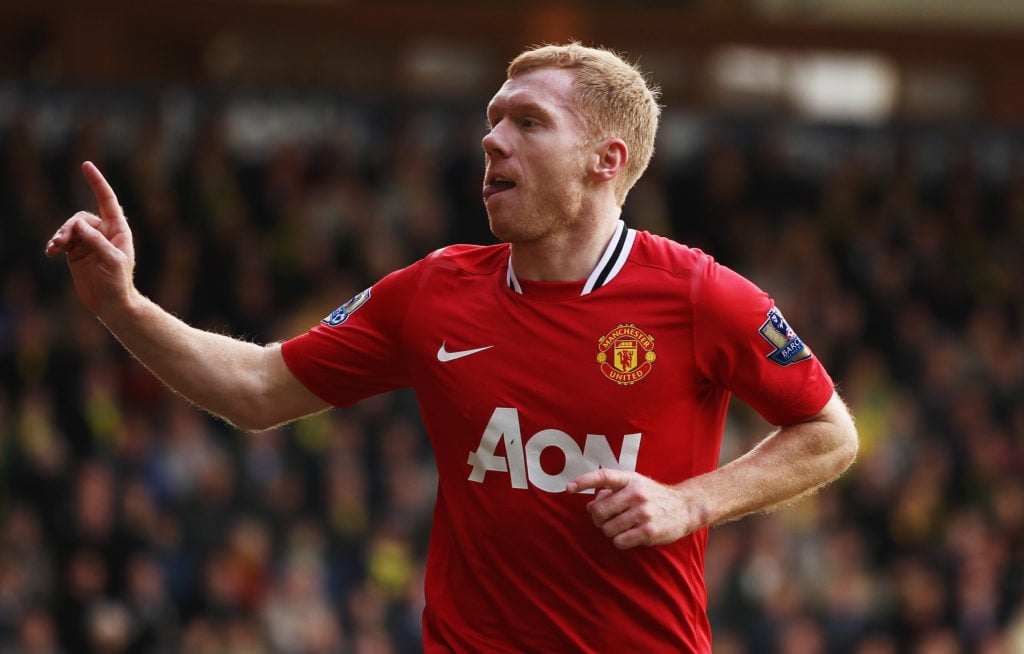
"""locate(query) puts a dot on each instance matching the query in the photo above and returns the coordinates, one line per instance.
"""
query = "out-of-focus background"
(860, 159)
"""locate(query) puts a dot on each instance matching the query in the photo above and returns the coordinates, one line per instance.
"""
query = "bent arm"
(796, 459)
(248, 385)
(791, 462)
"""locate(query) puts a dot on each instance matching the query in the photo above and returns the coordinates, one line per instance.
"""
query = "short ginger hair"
(612, 96)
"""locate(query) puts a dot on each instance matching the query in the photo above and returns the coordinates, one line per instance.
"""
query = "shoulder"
(447, 266)
(662, 252)
(468, 259)
(706, 280)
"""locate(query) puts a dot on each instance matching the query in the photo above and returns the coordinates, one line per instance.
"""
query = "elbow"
(243, 422)
(849, 452)
(843, 440)
(248, 417)
(251, 427)
(847, 446)
(264, 415)
(254, 422)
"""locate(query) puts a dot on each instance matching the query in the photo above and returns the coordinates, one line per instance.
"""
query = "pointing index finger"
(600, 478)
(108, 205)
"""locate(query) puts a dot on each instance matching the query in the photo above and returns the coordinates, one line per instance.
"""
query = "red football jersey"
(524, 386)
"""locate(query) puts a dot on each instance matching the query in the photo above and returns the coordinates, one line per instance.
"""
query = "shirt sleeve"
(357, 350)
(744, 344)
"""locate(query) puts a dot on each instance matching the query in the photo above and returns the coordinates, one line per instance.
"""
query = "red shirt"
(524, 386)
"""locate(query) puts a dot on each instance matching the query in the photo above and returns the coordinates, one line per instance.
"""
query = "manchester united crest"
(626, 354)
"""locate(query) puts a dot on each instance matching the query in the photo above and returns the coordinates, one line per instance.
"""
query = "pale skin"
(558, 217)
(562, 211)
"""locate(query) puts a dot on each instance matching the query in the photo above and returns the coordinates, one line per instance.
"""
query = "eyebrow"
(522, 107)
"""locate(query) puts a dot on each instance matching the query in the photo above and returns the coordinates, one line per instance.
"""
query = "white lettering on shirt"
(522, 461)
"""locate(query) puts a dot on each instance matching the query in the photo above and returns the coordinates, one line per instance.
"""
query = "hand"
(633, 510)
(100, 252)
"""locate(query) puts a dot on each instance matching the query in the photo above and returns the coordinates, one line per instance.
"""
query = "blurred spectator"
(36, 634)
(153, 612)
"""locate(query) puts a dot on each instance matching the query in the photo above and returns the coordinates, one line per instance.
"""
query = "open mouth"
(497, 185)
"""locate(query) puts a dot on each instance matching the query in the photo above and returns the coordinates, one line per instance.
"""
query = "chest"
(594, 361)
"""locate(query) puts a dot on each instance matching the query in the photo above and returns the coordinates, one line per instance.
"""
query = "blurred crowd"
(131, 522)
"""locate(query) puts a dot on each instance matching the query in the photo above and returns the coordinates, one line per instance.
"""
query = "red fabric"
(515, 563)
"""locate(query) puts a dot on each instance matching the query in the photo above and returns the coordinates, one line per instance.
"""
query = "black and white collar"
(607, 268)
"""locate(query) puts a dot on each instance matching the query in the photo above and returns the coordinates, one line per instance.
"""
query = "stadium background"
(862, 160)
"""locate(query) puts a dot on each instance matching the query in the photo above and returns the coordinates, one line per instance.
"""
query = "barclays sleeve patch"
(342, 313)
(788, 348)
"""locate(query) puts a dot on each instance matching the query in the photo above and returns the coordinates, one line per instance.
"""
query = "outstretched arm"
(247, 384)
(632, 509)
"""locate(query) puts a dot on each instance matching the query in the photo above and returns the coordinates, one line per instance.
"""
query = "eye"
(528, 122)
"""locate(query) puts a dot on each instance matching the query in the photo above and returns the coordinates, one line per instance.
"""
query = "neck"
(566, 256)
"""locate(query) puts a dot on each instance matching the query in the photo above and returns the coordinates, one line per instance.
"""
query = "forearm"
(223, 375)
(247, 384)
(791, 462)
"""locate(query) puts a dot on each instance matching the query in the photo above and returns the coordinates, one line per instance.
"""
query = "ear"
(607, 159)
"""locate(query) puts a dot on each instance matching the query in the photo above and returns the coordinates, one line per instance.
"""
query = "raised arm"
(245, 383)
(794, 460)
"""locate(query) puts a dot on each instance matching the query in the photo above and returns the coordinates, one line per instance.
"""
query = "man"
(574, 380)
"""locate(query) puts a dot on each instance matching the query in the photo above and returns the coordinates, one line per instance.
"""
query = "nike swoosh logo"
(444, 355)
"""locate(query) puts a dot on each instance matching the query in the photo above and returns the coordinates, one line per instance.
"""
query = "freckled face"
(534, 179)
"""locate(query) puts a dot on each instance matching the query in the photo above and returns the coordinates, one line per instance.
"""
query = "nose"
(492, 142)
